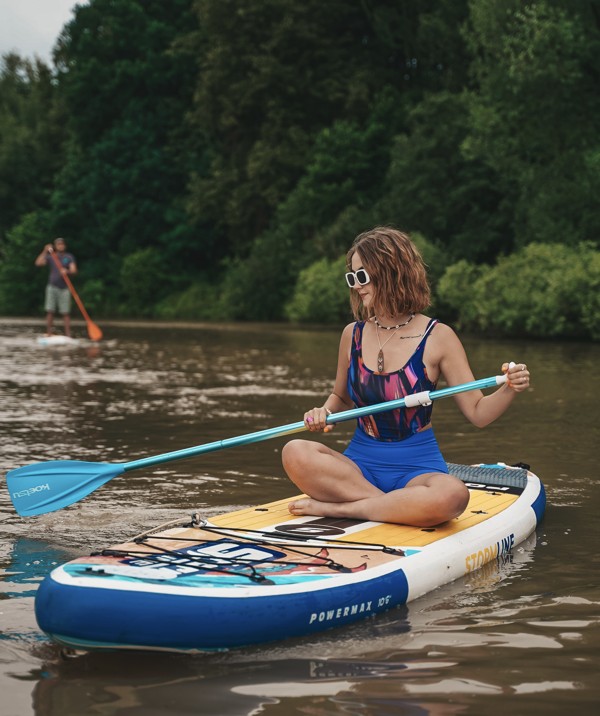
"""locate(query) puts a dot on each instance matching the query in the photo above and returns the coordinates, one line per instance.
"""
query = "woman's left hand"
(316, 420)
(518, 376)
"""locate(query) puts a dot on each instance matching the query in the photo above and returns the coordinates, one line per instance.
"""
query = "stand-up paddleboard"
(57, 340)
(260, 574)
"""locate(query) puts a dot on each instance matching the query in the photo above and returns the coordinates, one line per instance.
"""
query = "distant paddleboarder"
(58, 296)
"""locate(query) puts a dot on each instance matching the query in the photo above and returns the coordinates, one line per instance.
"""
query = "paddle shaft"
(43, 487)
(423, 398)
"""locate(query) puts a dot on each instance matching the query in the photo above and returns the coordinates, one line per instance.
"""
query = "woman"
(392, 470)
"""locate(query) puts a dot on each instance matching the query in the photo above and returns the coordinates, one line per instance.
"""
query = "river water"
(516, 637)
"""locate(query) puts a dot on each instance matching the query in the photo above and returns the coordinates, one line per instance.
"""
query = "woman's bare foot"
(307, 506)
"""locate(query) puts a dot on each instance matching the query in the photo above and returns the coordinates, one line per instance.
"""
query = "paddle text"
(30, 491)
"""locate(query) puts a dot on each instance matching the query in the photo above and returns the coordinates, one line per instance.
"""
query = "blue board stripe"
(104, 617)
(539, 506)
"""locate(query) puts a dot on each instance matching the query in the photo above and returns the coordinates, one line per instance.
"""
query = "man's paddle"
(48, 486)
(94, 331)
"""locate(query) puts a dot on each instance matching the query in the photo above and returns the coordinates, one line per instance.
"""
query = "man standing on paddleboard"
(58, 296)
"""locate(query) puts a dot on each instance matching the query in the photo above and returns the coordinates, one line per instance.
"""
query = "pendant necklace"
(380, 360)
(380, 354)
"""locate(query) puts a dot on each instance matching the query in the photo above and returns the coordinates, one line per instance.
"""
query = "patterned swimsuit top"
(366, 387)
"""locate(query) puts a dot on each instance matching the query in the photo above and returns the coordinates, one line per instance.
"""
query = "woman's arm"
(479, 409)
(338, 399)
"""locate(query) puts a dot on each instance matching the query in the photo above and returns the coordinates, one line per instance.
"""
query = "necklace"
(392, 328)
(380, 361)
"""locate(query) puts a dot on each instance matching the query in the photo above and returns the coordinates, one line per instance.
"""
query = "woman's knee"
(456, 499)
(296, 454)
(447, 503)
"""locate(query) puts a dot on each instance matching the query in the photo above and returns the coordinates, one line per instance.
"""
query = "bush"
(590, 296)
(254, 287)
(454, 294)
(199, 302)
(22, 283)
(544, 290)
(142, 281)
(321, 294)
(94, 294)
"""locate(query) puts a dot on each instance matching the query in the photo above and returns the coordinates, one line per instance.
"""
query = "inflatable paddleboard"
(57, 340)
(260, 574)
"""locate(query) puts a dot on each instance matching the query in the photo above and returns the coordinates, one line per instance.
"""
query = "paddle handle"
(422, 398)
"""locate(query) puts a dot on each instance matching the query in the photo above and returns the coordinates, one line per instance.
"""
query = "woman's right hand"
(316, 420)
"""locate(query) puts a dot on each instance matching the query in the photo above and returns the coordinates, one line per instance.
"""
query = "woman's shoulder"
(349, 330)
(442, 329)
(443, 339)
(351, 326)
(346, 339)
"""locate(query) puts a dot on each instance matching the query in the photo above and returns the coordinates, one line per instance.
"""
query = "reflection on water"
(26, 560)
(520, 634)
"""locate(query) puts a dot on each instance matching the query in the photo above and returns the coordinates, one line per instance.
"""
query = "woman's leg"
(427, 500)
(324, 474)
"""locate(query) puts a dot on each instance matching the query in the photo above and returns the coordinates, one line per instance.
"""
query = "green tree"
(534, 113)
(31, 138)
(342, 177)
(125, 78)
(275, 74)
(431, 187)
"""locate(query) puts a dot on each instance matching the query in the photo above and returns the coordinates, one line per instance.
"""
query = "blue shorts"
(391, 465)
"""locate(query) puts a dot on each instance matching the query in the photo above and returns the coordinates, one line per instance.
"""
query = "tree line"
(213, 159)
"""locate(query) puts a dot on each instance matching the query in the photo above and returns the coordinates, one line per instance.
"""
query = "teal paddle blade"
(48, 486)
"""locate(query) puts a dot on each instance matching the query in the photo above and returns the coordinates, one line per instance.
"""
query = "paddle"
(94, 331)
(48, 486)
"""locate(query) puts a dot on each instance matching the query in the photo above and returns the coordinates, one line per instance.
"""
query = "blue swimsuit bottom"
(391, 465)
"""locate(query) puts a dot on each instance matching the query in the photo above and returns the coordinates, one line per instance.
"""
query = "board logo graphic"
(487, 554)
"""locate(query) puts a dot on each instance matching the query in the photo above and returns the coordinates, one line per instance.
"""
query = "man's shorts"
(58, 300)
(391, 465)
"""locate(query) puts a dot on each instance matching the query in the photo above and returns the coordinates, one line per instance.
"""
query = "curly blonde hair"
(397, 271)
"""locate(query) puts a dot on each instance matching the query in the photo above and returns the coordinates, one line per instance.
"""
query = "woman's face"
(365, 292)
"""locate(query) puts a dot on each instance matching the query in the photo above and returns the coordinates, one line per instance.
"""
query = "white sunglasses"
(360, 277)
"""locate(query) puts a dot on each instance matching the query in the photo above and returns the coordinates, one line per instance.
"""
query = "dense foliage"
(214, 158)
